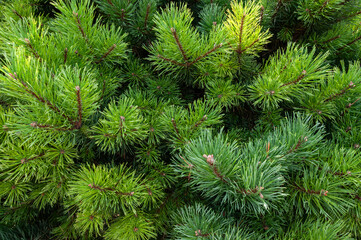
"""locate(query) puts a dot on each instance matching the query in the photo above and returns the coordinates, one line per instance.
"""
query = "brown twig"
(277, 8)
(348, 44)
(211, 163)
(17, 14)
(39, 98)
(241, 33)
(172, 61)
(299, 78)
(331, 39)
(200, 234)
(25, 160)
(93, 186)
(251, 45)
(175, 35)
(350, 16)
(206, 54)
(343, 91)
(78, 99)
(31, 48)
(80, 27)
(199, 122)
(65, 54)
(106, 54)
(308, 191)
(323, 5)
(46, 126)
(147, 15)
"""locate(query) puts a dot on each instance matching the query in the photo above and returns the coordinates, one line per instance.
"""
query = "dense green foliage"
(208, 119)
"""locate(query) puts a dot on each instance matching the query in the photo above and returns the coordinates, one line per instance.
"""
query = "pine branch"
(206, 54)
(78, 98)
(311, 192)
(172, 61)
(31, 48)
(262, 12)
(65, 55)
(298, 145)
(39, 98)
(46, 126)
(103, 90)
(17, 14)
(25, 160)
(350, 16)
(146, 16)
(357, 197)
(240, 34)
(323, 6)
(277, 9)
(80, 27)
(106, 54)
(252, 191)
(285, 67)
(211, 161)
(122, 118)
(93, 186)
(297, 80)
(348, 44)
(343, 91)
(176, 129)
(175, 35)
(199, 122)
(242, 51)
(200, 234)
(331, 39)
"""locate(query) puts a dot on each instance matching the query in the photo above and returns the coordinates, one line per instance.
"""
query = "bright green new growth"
(148, 119)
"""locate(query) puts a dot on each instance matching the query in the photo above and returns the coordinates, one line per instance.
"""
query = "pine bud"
(122, 118)
(33, 124)
(210, 159)
(77, 88)
(135, 229)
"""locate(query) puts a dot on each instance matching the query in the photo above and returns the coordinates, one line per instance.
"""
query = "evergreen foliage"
(149, 119)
